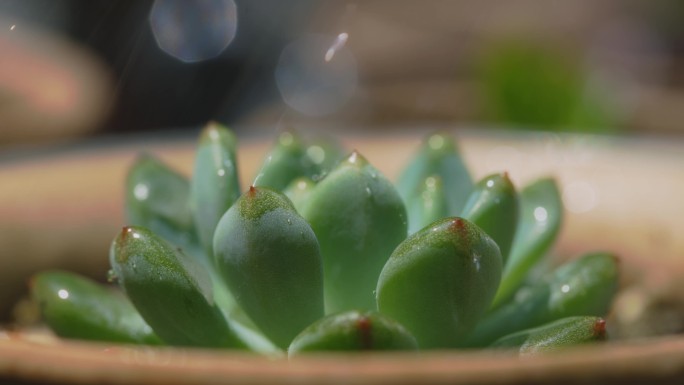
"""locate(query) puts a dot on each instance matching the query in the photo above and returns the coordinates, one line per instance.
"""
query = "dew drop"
(476, 261)
(141, 191)
(540, 214)
(111, 276)
(63, 294)
(565, 288)
(353, 158)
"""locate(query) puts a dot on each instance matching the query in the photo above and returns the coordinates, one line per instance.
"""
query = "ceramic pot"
(61, 209)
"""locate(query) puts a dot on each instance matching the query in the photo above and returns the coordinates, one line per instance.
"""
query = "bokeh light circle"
(313, 81)
(193, 31)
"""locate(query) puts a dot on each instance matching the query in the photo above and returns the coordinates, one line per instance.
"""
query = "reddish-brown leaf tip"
(364, 325)
(600, 328)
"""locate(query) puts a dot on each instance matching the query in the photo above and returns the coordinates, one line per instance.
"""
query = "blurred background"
(76, 69)
(75, 76)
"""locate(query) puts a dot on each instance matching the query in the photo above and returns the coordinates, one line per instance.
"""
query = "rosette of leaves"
(323, 252)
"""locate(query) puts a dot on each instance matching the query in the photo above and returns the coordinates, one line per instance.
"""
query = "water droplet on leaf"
(111, 276)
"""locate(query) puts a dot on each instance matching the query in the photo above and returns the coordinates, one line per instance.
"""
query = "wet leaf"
(541, 214)
(270, 259)
(440, 282)
(358, 218)
(353, 331)
(77, 307)
(215, 182)
(171, 291)
(493, 206)
(583, 286)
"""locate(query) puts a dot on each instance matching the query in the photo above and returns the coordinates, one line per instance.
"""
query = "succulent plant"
(555, 335)
(323, 252)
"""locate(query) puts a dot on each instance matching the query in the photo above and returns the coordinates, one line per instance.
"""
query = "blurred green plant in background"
(527, 86)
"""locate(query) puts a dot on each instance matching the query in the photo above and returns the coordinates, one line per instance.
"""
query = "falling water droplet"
(259, 175)
(338, 44)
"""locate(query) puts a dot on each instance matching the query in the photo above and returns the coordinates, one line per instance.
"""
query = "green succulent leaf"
(320, 233)
(358, 218)
(429, 205)
(353, 331)
(493, 206)
(287, 160)
(157, 198)
(270, 259)
(440, 281)
(541, 214)
(555, 335)
(438, 155)
(583, 286)
(215, 182)
(299, 192)
(77, 307)
(172, 291)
